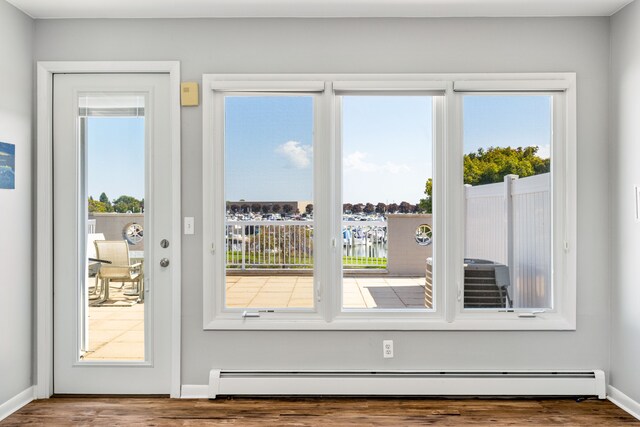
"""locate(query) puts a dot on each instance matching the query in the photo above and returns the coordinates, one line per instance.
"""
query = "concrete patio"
(297, 292)
(116, 331)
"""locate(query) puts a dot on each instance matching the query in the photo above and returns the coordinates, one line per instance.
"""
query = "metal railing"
(288, 244)
(364, 244)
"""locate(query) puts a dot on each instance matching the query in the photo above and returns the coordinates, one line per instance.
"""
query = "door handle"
(164, 262)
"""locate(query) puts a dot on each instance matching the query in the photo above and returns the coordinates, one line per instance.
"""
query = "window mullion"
(333, 109)
(452, 199)
(438, 208)
(324, 293)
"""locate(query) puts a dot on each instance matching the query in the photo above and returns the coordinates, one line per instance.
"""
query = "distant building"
(246, 206)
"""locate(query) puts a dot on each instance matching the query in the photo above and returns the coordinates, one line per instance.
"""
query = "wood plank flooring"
(316, 411)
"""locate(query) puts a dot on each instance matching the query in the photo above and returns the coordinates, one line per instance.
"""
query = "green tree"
(106, 202)
(492, 165)
(96, 206)
(124, 204)
(426, 205)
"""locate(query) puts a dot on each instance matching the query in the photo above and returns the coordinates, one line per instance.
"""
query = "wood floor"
(137, 411)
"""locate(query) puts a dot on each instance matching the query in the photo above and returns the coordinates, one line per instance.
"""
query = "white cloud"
(356, 162)
(297, 154)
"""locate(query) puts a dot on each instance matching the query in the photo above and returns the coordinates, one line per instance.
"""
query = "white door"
(112, 225)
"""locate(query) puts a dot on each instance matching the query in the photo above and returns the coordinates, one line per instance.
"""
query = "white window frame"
(396, 318)
(448, 201)
(558, 192)
(215, 264)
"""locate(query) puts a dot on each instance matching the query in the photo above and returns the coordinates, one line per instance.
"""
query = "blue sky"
(516, 121)
(387, 147)
(116, 156)
(268, 148)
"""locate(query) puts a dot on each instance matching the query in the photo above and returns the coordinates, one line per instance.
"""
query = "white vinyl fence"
(510, 223)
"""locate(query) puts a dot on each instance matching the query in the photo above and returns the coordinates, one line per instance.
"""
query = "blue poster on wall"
(7, 166)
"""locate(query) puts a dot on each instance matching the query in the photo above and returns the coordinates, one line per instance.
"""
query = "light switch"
(189, 94)
(188, 225)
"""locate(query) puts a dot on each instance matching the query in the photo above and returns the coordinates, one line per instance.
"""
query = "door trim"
(44, 209)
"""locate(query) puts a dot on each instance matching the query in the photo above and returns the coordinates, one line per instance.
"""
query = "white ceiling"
(313, 8)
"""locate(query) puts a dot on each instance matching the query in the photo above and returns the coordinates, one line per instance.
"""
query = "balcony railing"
(288, 244)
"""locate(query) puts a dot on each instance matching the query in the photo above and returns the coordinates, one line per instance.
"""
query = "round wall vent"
(133, 233)
(424, 235)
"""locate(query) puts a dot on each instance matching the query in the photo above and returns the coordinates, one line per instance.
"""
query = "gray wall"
(625, 174)
(16, 283)
(376, 45)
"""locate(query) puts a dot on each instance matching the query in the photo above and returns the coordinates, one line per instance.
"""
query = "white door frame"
(44, 209)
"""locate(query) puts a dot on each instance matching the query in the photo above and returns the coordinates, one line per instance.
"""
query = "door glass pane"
(507, 179)
(112, 132)
(387, 223)
(269, 209)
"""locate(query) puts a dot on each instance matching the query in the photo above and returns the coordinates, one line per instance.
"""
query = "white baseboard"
(16, 402)
(623, 401)
(194, 392)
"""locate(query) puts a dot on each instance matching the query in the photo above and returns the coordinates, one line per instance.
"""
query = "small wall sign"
(7, 166)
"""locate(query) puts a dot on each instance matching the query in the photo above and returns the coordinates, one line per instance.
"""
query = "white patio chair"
(93, 266)
(120, 269)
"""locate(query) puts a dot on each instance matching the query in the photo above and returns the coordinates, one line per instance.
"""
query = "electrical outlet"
(387, 349)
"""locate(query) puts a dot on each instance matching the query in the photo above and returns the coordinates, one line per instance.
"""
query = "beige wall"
(405, 256)
(112, 225)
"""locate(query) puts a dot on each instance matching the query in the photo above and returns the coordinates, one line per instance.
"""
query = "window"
(384, 200)
(268, 184)
(394, 202)
(507, 140)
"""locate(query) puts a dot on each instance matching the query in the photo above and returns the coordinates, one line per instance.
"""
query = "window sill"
(546, 323)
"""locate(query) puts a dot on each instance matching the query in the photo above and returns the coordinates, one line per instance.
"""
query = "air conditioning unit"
(408, 383)
(486, 284)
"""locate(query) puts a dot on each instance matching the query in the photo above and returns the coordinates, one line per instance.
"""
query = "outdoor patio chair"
(93, 267)
(121, 269)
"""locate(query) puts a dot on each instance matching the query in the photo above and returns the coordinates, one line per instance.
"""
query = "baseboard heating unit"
(408, 383)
